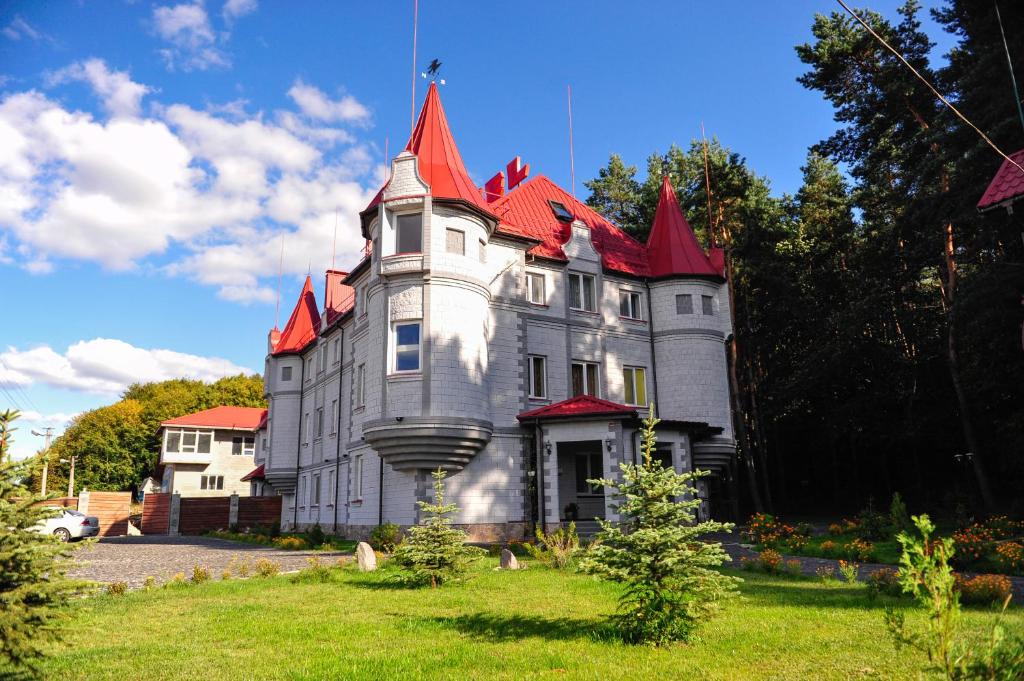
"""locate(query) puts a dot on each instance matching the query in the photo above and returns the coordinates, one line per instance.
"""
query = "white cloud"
(19, 28)
(120, 94)
(193, 42)
(234, 9)
(106, 366)
(56, 420)
(317, 105)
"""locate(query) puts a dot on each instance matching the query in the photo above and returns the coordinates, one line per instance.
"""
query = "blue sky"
(152, 154)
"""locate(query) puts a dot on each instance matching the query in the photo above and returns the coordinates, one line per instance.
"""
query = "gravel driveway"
(132, 559)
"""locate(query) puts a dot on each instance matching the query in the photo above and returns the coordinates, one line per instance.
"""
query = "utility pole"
(47, 434)
(71, 477)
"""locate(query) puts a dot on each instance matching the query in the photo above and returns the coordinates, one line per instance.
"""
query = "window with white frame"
(211, 482)
(535, 288)
(684, 303)
(187, 441)
(319, 422)
(323, 357)
(337, 350)
(330, 487)
(357, 477)
(538, 376)
(629, 305)
(585, 379)
(305, 429)
(360, 385)
(455, 241)
(309, 368)
(314, 489)
(635, 381)
(334, 416)
(363, 299)
(243, 445)
(286, 374)
(303, 499)
(581, 292)
(707, 304)
(409, 233)
(406, 342)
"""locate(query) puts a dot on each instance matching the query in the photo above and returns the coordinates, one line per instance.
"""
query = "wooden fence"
(173, 514)
(156, 513)
(111, 508)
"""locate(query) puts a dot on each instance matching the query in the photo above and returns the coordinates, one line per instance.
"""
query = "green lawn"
(527, 624)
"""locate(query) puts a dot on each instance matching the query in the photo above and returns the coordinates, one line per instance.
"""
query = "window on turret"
(684, 303)
(707, 304)
(286, 374)
(406, 338)
(581, 292)
(629, 305)
(584, 379)
(635, 381)
(455, 241)
(409, 233)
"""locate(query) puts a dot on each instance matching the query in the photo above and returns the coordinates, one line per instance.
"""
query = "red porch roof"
(234, 418)
(303, 325)
(583, 405)
(254, 474)
(1006, 186)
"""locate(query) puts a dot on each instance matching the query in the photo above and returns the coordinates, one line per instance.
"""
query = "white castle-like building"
(513, 338)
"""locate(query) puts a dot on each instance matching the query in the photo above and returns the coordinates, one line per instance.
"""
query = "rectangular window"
(211, 482)
(286, 374)
(303, 499)
(320, 422)
(407, 347)
(314, 488)
(236, 445)
(360, 385)
(305, 430)
(357, 477)
(173, 441)
(334, 416)
(337, 350)
(188, 441)
(364, 300)
(707, 304)
(629, 305)
(584, 379)
(684, 303)
(588, 467)
(455, 241)
(635, 381)
(204, 442)
(409, 233)
(535, 288)
(581, 292)
(323, 357)
(538, 377)
(330, 488)
(263, 444)
(309, 368)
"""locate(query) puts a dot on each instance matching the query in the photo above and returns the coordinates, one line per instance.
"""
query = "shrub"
(150, 583)
(984, 589)
(556, 549)
(177, 579)
(290, 543)
(835, 529)
(849, 571)
(825, 573)
(267, 568)
(761, 526)
(861, 550)
(748, 563)
(794, 568)
(770, 560)
(1011, 555)
(972, 543)
(671, 579)
(315, 573)
(239, 566)
(899, 519)
(435, 552)
(804, 529)
(828, 547)
(884, 582)
(796, 542)
(200, 574)
(873, 525)
(316, 536)
(1002, 527)
(386, 537)
(117, 588)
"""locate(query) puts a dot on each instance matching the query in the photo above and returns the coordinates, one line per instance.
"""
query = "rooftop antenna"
(280, 270)
(572, 160)
(1009, 63)
(387, 160)
(412, 104)
(334, 246)
(707, 187)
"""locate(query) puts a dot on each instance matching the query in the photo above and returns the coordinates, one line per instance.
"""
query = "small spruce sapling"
(672, 584)
(434, 552)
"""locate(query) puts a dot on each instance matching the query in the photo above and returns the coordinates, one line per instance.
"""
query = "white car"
(70, 524)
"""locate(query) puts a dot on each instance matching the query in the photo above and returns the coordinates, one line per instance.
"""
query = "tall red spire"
(303, 325)
(672, 247)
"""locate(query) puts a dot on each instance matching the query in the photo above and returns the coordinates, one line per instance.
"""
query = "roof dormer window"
(562, 213)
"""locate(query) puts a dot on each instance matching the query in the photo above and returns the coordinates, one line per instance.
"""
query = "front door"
(579, 462)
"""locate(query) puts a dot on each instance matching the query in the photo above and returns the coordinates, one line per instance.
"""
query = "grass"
(535, 623)
(330, 544)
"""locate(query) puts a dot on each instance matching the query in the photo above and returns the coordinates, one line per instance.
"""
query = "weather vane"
(433, 70)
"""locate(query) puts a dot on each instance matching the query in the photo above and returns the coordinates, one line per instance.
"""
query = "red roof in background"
(339, 297)
(672, 246)
(1007, 185)
(255, 474)
(303, 325)
(440, 163)
(236, 418)
(525, 212)
(584, 405)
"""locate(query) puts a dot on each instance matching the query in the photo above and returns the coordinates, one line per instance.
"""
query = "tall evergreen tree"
(615, 194)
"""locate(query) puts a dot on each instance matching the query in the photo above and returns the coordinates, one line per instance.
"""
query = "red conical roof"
(440, 163)
(672, 247)
(303, 325)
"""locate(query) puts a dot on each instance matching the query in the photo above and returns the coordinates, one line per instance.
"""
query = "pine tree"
(615, 194)
(434, 552)
(671, 581)
(33, 586)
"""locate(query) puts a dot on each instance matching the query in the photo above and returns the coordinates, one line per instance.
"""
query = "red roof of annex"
(231, 418)
(1007, 186)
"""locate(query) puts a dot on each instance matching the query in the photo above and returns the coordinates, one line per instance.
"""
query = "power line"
(929, 85)
(1009, 63)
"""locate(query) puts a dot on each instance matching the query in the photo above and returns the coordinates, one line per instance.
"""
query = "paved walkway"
(809, 565)
(132, 559)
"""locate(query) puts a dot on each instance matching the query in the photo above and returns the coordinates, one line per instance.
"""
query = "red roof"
(234, 418)
(584, 405)
(339, 298)
(526, 212)
(672, 246)
(440, 163)
(1006, 186)
(303, 325)
(254, 474)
